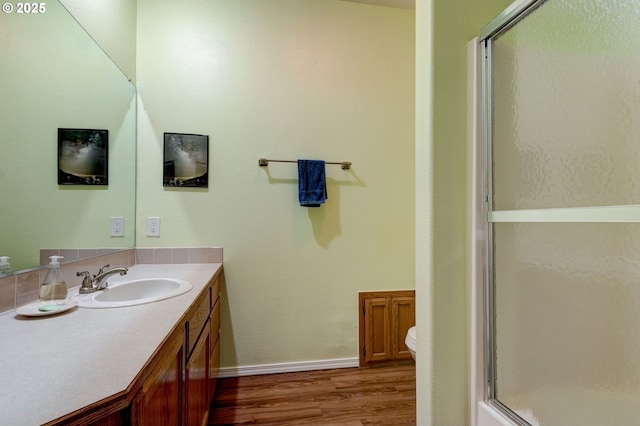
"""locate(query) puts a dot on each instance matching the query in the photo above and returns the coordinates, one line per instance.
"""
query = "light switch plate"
(117, 226)
(153, 227)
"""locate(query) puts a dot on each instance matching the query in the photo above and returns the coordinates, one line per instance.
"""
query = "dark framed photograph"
(83, 157)
(186, 160)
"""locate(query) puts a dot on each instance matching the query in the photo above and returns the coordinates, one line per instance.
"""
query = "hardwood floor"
(346, 396)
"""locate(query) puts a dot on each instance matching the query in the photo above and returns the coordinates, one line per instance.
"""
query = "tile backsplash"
(179, 255)
(22, 288)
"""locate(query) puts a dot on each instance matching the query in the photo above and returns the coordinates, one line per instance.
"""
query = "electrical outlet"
(117, 226)
(153, 227)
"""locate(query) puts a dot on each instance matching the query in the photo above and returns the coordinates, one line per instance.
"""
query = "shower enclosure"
(557, 211)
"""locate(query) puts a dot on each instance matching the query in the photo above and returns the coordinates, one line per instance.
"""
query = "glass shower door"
(563, 201)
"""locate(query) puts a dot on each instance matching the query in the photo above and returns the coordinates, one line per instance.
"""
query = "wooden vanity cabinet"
(214, 350)
(177, 384)
(180, 389)
(197, 381)
(159, 401)
(202, 362)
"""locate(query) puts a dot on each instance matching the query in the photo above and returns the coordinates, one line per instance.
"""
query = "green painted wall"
(444, 27)
(285, 79)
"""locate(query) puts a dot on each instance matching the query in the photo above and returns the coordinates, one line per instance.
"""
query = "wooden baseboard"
(290, 367)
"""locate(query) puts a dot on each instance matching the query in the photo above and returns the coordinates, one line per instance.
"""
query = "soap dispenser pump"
(53, 288)
(4, 264)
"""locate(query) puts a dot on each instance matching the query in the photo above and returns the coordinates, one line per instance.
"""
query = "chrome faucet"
(98, 281)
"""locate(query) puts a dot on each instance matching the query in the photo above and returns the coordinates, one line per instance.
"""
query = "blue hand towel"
(312, 186)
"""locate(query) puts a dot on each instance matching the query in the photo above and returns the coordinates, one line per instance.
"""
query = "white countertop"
(54, 365)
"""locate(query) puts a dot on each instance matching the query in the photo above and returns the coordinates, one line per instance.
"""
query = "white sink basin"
(136, 292)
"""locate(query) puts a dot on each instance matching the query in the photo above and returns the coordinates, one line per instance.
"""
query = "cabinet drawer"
(195, 323)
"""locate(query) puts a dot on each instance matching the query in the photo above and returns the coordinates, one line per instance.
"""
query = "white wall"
(285, 79)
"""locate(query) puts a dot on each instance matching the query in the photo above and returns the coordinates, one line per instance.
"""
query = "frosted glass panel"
(566, 107)
(567, 322)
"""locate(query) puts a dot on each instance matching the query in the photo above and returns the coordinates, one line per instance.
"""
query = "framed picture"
(83, 157)
(186, 160)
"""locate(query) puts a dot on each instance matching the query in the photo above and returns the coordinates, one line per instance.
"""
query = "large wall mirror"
(55, 76)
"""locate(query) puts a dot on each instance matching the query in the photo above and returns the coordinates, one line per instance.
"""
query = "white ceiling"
(402, 4)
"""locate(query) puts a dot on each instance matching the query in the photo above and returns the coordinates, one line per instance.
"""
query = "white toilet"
(410, 341)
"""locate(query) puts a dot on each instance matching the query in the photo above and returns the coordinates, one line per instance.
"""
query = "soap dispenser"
(53, 288)
(4, 264)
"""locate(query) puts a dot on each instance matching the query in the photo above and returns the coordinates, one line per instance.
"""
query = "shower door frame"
(485, 410)
(502, 23)
(482, 410)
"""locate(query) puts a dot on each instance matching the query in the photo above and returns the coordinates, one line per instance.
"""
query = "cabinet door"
(121, 418)
(377, 337)
(197, 381)
(403, 315)
(159, 401)
(214, 367)
(214, 352)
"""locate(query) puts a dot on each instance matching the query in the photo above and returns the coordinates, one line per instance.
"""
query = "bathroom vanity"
(151, 364)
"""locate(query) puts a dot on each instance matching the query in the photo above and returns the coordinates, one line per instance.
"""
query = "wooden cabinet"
(214, 337)
(385, 318)
(197, 381)
(202, 364)
(159, 401)
(403, 317)
(180, 387)
(176, 386)
(377, 329)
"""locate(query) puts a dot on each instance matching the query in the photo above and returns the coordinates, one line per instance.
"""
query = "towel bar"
(263, 162)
